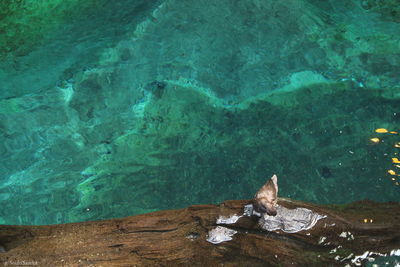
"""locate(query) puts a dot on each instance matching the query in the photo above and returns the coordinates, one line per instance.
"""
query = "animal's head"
(266, 198)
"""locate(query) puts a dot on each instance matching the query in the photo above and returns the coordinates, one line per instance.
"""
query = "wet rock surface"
(179, 237)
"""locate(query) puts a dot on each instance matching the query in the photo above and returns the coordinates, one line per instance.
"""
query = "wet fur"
(266, 198)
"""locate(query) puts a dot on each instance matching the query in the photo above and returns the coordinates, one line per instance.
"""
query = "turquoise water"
(116, 108)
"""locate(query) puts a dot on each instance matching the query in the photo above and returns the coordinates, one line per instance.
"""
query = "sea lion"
(267, 196)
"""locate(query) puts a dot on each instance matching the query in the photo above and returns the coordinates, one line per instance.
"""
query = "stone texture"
(178, 237)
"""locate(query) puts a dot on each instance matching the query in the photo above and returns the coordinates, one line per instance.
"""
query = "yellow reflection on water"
(395, 159)
(381, 130)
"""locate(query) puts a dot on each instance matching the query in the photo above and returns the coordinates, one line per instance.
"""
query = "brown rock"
(178, 237)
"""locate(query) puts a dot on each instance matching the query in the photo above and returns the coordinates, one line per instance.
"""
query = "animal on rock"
(266, 197)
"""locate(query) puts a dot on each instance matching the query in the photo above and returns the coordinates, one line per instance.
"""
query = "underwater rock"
(326, 172)
(179, 237)
(156, 88)
(100, 98)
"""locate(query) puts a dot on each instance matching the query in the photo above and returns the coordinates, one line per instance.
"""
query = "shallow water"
(116, 108)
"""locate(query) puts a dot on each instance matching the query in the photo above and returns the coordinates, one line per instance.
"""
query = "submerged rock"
(114, 108)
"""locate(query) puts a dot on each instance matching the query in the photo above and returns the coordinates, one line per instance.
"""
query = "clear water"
(116, 108)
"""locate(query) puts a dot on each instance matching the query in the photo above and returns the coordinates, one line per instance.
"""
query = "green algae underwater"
(116, 108)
